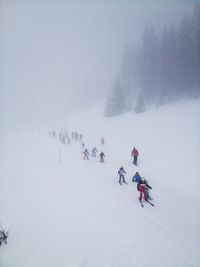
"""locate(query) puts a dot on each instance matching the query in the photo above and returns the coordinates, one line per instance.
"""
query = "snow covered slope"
(74, 213)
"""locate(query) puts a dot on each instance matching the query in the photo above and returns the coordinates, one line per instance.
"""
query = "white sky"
(59, 55)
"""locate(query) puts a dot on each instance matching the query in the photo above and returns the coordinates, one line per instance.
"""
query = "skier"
(60, 135)
(121, 173)
(3, 237)
(63, 140)
(76, 136)
(102, 141)
(143, 187)
(81, 137)
(66, 134)
(148, 191)
(102, 155)
(94, 151)
(136, 178)
(54, 134)
(82, 147)
(86, 154)
(134, 154)
(68, 141)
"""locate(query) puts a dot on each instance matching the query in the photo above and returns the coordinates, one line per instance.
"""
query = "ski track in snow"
(75, 213)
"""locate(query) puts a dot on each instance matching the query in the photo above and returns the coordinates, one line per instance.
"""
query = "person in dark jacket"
(136, 178)
(102, 155)
(3, 237)
(102, 141)
(86, 154)
(121, 173)
(143, 187)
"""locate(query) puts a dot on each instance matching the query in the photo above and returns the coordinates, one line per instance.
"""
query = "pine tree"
(116, 103)
(140, 106)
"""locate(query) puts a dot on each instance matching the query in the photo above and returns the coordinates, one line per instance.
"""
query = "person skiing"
(54, 134)
(143, 187)
(63, 140)
(121, 173)
(3, 237)
(102, 141)
(76, 136)
(148, 192)
(136, 178)
(81, 137)
(102, 155)
(60, 135)
(94, 151)
(83, 147)
(135, 154)
(86, 154)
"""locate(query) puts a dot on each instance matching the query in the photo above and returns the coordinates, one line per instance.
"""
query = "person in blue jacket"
(94, 152)
(136, 178)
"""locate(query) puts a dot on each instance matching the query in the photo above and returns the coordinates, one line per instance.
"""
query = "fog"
(58, 56)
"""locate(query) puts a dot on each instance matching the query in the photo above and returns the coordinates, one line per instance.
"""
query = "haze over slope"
(75, 213)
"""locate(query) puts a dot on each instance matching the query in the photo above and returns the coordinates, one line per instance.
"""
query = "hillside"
(74, 213)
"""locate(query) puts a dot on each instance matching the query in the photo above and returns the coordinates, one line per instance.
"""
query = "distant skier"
(54, 134)
(102, 141)
(3, 237)
(135, 154)
(76, 136)
(121, 173)
(83, 147)
(86, 154)
(81, 137)
(136, 178)
(66, 134)
(102, 155)
(68, 141)
(60, 135)
(143, 188)
(63, 140)
(94, 151)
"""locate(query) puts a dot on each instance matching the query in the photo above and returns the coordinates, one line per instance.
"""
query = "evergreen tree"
(116, 103)
(148, 63)
(159, 70)
(140, 106)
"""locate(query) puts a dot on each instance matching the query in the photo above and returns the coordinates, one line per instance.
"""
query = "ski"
(150, 203)
(141, 204)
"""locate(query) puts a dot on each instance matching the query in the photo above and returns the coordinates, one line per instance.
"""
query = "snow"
(74, 213)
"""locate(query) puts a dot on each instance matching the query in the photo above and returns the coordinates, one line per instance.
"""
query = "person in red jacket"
(135, 154)
(143, 187)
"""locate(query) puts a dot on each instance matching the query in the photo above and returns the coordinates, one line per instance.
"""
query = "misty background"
(58, 56)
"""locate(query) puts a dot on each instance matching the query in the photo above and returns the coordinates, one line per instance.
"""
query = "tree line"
(164, 67)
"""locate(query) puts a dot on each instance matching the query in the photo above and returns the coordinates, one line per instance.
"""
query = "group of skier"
(64, 137)
(94, 152)
(142, 184)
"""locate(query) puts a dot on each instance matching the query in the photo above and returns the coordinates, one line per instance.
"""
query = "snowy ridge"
(75, 213)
